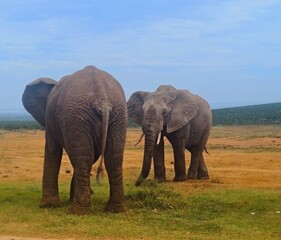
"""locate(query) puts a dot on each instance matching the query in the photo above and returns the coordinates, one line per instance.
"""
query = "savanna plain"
(241, 200)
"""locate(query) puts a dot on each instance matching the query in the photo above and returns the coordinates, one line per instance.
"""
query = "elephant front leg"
(158, 160)
(52, 162)
(180, 165)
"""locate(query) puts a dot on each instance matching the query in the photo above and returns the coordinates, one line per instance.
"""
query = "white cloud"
(204, 41)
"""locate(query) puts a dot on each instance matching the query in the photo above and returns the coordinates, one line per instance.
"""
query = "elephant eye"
(165, 112)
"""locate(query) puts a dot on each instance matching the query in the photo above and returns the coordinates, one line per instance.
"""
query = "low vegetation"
(18, 122)
(154, 212)
(241, 200)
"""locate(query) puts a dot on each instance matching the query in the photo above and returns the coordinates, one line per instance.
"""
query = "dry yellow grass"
(240, 158)
(247, 157)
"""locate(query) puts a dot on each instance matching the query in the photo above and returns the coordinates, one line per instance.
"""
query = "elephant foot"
(203, 176)
(115, 207)
(78, 210)
(179, 178)
(160, 179)
(47, 202)
(192, 175)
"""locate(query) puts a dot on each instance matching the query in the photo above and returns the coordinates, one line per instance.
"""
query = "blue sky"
(229, 52)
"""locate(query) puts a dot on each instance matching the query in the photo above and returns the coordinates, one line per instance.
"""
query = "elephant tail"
(105, 120)
(206, 150)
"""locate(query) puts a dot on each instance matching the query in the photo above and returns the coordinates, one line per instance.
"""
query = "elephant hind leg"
(113, 164)
(80, 194)
(113, 161)
(197, 168)
(81, 154)
(202, 169)
(71, 194)
(194, 164)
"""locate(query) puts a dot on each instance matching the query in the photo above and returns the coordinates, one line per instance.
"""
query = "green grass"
(154, 211)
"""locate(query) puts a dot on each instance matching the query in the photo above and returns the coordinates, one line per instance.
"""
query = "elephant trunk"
(150, 138)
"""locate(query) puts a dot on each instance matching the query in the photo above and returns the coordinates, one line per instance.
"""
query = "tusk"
(141, 137)
(159, 138)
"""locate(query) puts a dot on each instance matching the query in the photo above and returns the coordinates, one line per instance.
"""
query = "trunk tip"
(140, 180)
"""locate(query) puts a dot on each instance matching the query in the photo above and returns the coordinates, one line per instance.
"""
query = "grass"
(154, 212)
(246, 132)
(240, 201)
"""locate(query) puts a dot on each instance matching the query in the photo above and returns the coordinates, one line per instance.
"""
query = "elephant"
(85, 114)
(185, 119)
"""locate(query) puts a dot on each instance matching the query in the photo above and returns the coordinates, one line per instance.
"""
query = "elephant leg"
(80, 149)
(202, 168)
(115, 177)
(71, 195)
(80, 183)
(52, 162)
(194, 164)
(179, 163)
(113, 162)
(158, 160)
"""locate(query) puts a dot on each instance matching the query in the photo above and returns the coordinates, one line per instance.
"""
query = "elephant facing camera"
(185, 119)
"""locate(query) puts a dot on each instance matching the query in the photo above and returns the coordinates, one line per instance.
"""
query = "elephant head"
(166, 108)
(35, 97)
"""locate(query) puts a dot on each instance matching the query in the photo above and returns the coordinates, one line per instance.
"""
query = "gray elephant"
(86, 114)
(183, 118)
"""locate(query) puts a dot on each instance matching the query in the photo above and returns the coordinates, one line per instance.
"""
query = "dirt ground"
(21, 238)
(239, 157)
(235, 159)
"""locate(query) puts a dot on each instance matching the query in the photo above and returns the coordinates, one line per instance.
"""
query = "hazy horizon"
(22, 111)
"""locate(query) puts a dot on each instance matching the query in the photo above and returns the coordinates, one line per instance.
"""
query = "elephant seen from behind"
(183, 118)
(86, 114)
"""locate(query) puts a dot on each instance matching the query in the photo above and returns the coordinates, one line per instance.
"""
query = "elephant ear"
(35, 96)
(184, 109)
(134, 105)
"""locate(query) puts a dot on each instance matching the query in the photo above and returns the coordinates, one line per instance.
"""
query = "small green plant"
(154, 196)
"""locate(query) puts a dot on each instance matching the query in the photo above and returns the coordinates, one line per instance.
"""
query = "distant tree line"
(265, 114)
(18, 125)
(26, 125)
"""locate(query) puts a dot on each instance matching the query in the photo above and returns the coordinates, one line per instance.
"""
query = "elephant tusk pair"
(141, 137)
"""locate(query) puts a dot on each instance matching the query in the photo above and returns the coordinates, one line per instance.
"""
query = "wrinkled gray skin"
(85, 113)
(183, 118)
